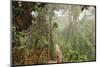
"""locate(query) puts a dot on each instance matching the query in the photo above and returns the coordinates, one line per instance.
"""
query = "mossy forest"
(45, 33)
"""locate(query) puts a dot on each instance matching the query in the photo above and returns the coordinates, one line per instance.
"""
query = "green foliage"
(55, 25)
(17, 33)
(76, 39)
(21, 34)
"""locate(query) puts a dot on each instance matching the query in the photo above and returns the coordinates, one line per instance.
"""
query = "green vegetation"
(38, 27)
